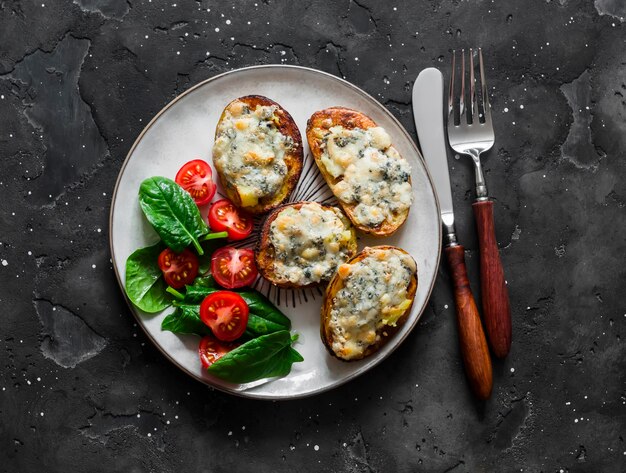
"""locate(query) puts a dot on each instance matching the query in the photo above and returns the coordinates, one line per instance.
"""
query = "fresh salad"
(192, 268)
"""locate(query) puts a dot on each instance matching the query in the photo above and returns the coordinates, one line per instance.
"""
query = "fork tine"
(451, 95)
(473, 100)
(483, 83)
(462, 114)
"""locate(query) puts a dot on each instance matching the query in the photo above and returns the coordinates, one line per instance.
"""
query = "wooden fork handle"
(474, 348)
(495, 295)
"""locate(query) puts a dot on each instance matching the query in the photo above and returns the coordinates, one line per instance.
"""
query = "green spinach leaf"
(205, 260)
(258, 304)
(259, 325)
(185, 319)
(200, 288)
(263, 357)
(261, 306)
(173, 213)
(144, 284)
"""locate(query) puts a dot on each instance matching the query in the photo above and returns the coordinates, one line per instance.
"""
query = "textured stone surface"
(86, 391)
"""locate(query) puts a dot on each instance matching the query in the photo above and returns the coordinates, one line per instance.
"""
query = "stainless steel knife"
(428, 114)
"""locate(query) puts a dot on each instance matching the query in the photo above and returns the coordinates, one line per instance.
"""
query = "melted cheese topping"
(374, 177)
(249, 151)
(374, 295)
(309, 243)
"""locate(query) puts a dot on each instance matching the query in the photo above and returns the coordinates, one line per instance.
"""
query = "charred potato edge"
(294, 159)
(349, 119)
(336, 284)
(264, 252)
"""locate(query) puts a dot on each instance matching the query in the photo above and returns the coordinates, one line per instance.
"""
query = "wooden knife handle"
(495, 295)
(471, 335)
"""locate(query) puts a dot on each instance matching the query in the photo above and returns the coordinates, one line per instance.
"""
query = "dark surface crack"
(367, 9)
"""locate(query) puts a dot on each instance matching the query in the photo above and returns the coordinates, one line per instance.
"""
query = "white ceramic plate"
(184, 130)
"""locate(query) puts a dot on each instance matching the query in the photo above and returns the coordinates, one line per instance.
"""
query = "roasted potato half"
(370, 179)
(302, 244)
(257, 153)
(367, 301)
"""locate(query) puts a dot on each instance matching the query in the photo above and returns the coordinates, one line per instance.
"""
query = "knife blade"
(428, 115)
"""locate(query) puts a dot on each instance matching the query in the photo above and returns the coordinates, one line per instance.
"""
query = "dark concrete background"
(82, 389)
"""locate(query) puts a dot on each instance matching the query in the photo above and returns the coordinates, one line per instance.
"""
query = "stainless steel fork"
(473, 136)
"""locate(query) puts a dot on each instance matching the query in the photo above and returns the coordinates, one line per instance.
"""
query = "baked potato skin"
(319, 123)
(294, 159)
(264, 253)
(386, 332)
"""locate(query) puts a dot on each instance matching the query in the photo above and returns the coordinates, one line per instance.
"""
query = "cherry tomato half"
(233, 268)
(226, 313)
(225, 217)
(211, 350)
(178, 268)
(196, 178)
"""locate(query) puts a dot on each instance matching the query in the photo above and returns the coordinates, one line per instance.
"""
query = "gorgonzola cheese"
(310, 242)
(374, 177)
(249, 151)
(374, 295)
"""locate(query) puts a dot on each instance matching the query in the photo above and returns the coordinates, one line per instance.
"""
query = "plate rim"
(251, 394)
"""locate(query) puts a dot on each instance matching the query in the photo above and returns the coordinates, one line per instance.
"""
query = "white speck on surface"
(228, 22)
(512, 370)
(516, 233)
(316, 447)
(5, 262)
(217, 30)
(445, 306)
(41, 414)
(93, 266)
(506, 109)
